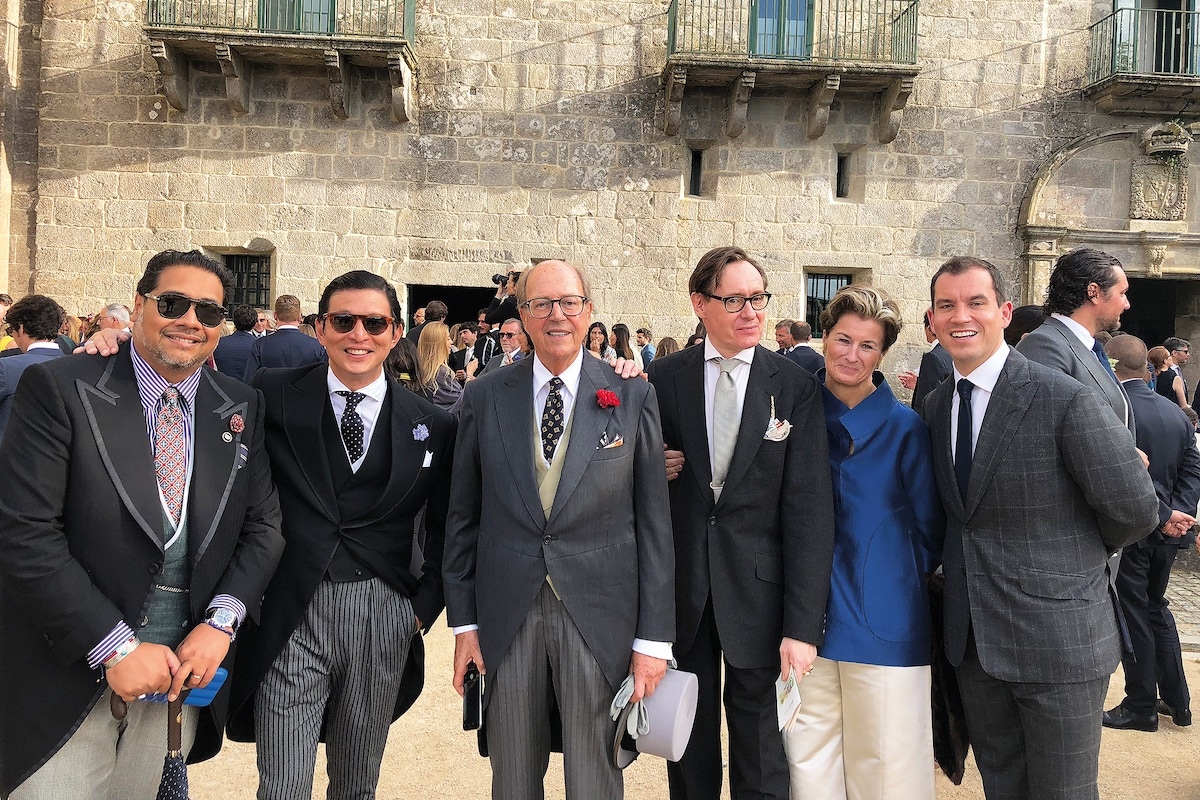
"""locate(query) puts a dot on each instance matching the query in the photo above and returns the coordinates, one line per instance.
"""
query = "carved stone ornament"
(1158, 188)
(1156, 254)
(1169, 138)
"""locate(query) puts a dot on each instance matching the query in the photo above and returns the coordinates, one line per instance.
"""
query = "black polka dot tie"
(352, 425)
(552, 419)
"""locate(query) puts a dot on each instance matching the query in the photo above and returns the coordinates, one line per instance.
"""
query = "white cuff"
(464, 629)
(653, 649)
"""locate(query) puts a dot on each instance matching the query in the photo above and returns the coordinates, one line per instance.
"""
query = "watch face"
(224, 617)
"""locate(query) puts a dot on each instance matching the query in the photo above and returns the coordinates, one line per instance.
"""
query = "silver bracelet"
(121, 653)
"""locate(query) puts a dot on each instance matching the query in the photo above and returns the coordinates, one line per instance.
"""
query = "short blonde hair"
(865, 302)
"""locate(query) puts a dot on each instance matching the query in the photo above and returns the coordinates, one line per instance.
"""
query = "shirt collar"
(43, 346)
(287, 326)
(711, 352)
(376, 389)
(986, 374)
(569, 376)
(151, 385)
(1081, 333)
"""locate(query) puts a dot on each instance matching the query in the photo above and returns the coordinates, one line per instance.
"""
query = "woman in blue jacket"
(864, 729)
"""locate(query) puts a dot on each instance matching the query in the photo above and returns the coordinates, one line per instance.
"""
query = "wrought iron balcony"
(1145, 61)
(819, 45)
(339, 34)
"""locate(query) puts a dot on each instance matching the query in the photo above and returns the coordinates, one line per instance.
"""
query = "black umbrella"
(174, 784)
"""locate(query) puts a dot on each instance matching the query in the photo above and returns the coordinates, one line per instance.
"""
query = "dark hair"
(622, 346)
(175, 258)
(1073, 273)
(644, 332)
(360, 279)
(785, 323)
(6, 299)
(587, 343)
(473, 327)
(864, 302)
(287, 308)
(41, 317)
(1174, 343)
(436, 310)
(960, 264)
(696, 339)
(1024, 320)
(801, 331)
(402, 365)
(666, 346)
(712, 264)
(244, 317)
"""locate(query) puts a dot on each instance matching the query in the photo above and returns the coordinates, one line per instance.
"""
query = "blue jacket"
(889, 531)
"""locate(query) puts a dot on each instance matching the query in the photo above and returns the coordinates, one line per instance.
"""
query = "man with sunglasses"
(140, 529)
(752, 512)
(336, 655)
(514, 344)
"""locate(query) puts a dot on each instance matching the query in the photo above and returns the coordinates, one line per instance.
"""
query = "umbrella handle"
(175, 726)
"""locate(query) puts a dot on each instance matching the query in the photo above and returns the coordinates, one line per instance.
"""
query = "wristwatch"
(223, 620)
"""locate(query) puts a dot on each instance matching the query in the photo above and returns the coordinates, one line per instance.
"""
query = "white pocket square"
(428, 459)
(777, 430)
(614, 443)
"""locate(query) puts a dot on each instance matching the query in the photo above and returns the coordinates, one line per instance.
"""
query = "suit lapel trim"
(1110, 388)
(303, 407)
(408, 454)
(214, 460)
(514, 405)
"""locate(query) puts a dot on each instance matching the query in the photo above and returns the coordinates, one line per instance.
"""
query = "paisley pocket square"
(777, 430)
(606, 444)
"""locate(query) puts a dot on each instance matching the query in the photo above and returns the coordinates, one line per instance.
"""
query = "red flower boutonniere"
(607, 399)
(237, 424)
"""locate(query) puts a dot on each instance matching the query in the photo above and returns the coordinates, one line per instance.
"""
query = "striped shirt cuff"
(230, 603)
(108, 645)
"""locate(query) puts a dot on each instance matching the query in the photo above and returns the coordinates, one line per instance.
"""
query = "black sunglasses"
(373, 324)
(174, 306)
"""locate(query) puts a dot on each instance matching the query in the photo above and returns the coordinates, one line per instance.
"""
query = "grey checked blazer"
(1056, 486)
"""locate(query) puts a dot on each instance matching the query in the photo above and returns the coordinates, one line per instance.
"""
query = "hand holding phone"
(472, 698)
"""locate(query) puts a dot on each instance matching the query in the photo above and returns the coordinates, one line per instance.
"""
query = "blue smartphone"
(195, 697)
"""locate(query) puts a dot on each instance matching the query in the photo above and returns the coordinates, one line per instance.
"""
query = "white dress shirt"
(984, 377)
(712, 371)
(368, 408)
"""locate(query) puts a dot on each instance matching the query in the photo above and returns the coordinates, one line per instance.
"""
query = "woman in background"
(1166, 381)
(623, 347)
(597, 342)
(666, 346)
(433, 373)
(864, 731)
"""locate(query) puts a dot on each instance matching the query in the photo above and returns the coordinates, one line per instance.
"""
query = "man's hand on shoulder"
(628, 369)
(104, 342)
(147, 670)
(647, 671)
(466, 650)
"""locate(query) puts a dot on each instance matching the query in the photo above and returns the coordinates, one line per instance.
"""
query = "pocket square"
(243, 455)
(605, 444)
(777, 430)
(428, 459)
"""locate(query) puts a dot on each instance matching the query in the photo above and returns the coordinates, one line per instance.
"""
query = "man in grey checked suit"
(1040, 484)
(558, 569)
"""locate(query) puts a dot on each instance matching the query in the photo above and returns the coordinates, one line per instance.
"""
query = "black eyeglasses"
(174, 306)
(373, 324)
(736, 303)
(509, 335)
(542, 307)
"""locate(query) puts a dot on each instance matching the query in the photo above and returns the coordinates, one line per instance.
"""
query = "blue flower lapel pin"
(420, 433)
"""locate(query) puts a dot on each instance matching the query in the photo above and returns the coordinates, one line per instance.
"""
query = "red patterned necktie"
(170, 453)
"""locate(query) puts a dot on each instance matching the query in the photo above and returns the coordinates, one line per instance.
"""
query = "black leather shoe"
(1123, 719)
(1181, 717)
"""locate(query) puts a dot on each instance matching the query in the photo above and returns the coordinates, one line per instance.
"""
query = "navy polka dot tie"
(552, 419)
(352, 425)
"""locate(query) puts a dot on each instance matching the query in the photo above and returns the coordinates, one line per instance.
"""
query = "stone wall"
(537, 136)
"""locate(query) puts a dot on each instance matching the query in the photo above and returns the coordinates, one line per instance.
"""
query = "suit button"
(712, 520)
(358, 572)
(154, 569)
(547, 539)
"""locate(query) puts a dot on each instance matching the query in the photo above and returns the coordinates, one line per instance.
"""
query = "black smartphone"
(472, 698)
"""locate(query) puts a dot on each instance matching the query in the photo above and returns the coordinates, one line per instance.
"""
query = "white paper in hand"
(787, 701)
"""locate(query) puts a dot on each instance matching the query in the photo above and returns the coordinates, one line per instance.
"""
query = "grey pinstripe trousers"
(343, 664)
(549, 651)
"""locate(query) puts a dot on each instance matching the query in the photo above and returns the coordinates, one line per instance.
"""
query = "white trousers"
(110, 760)
(865, 732)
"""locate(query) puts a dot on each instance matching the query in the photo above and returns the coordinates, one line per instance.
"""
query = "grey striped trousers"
(343, 663)
(549, 651)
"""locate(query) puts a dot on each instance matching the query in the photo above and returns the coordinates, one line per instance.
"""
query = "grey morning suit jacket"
(1056, 486)
(607, 545)
(1053, 344)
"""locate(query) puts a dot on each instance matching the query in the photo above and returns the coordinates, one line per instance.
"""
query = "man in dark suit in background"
(140, 529)
(1086, 296)
(33, 322)
(1154, 668)
(287, 346)
(935, 367)
(802, 353)
(356, 457)
(559, 567)
(435, 311)
(752, 511)
(1029, 623)
(233, 351)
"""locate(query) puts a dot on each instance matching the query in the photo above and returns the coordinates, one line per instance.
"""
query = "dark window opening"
(820, 290)
(251, 279)
(842, 180)
(696, 173)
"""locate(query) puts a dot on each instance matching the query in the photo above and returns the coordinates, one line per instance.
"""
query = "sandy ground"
(430, 757)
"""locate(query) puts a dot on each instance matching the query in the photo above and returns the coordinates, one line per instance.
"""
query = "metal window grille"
(820, 290)
(251, 280)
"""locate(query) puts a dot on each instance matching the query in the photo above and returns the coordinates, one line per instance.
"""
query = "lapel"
(1111, 390)
(588, 422)
(756, 413)
(1006, 409)
(408, 453)
(937, 410)
(302, 408)
(215, 461)
(688, 388)
(114, 412)
(514, 410)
